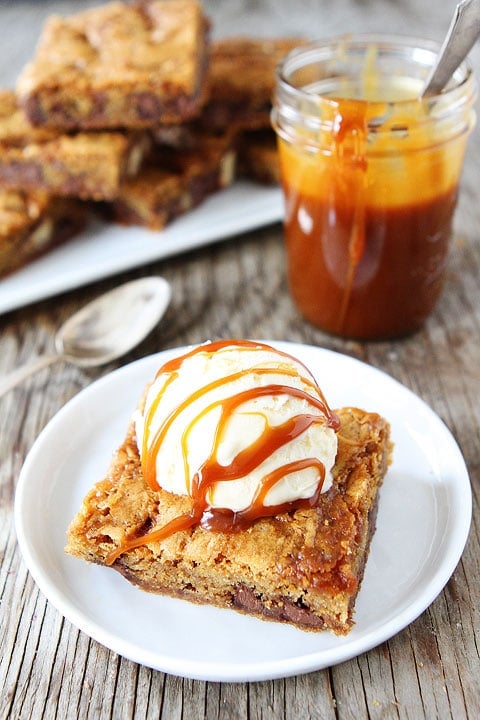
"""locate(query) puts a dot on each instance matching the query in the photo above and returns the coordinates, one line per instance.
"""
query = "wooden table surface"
(49, 669)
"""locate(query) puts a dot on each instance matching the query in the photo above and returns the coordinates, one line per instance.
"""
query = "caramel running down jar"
(370, 174)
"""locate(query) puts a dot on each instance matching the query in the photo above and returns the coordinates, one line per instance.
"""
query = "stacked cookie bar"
(128, 109)
(88, 165)
(77, 125)
(240, 85)
(118, 65)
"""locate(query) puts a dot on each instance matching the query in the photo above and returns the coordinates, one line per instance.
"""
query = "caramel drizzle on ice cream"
(212, 472)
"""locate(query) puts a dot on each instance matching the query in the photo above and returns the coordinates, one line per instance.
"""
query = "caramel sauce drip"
(211, 472)
(350, 138)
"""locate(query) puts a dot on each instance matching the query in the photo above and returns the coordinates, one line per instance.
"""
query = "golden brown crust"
(310, 564)
(118, 65)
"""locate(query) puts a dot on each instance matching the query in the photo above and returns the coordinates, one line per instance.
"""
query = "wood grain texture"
(431, 670)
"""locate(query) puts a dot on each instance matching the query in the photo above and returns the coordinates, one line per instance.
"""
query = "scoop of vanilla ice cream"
(204, 409)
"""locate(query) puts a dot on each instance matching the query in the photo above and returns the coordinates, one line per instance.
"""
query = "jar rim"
(293, 61)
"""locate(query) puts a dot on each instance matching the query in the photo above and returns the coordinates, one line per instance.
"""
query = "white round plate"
(422, 526)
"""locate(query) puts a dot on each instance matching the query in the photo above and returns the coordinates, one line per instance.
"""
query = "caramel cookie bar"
(258, 156)
(118, 65)
(175, 181)
(302, 567)
(88, 165)
(241, 80)
(32, 223)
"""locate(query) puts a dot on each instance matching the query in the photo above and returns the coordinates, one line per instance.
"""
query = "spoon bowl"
(105, 329)
(462, 34)
(114, 323)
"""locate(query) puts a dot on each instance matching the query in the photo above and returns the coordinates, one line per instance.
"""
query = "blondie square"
(88, 165)
(118, 65)
(241, 80)
(175, 181)
(258, 156)
(32, 223)
(303, 567)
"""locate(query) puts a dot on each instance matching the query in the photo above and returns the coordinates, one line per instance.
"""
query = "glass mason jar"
(370, 174)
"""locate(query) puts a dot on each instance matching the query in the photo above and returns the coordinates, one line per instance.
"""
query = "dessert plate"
(106, 249)
(422, 526)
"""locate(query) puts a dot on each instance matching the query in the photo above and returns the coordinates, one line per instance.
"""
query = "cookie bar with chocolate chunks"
(118, 65)
(302, 567)
(241, 80)
(258, 156)
(88, 165)
(31, 223)
(175, 181)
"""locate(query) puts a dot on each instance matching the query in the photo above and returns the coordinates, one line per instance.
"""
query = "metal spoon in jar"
(463, 32)
(105, 329)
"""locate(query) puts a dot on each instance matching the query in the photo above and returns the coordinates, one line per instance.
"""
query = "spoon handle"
(17, 376)
(462, 34)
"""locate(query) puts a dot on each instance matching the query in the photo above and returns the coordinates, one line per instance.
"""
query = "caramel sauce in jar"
(370, 175)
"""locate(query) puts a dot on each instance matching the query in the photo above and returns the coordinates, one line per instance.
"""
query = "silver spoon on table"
(105, 329)
(462, 34)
